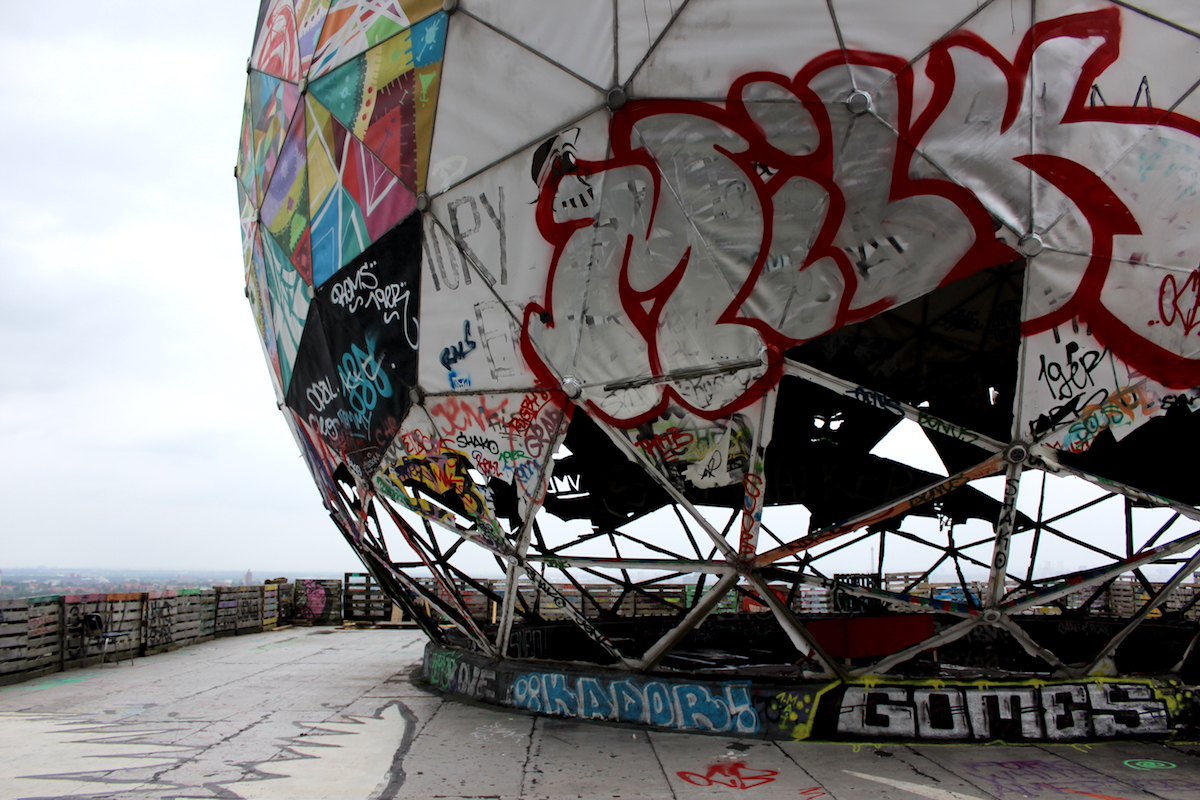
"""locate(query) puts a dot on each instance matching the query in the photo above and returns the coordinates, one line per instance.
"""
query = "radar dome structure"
(752, 338)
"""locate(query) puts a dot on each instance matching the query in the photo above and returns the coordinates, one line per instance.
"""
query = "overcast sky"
(137, 421)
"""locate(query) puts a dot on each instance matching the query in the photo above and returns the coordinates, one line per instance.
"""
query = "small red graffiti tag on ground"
(813, 792)
(1087, 794)
(736, 775)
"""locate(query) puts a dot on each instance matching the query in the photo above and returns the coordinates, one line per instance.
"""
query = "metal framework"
(609, 341)
(575, 583)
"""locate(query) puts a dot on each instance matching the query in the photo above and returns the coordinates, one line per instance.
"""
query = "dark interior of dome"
(953, 352)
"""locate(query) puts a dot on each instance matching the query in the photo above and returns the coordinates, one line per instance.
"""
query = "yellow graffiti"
(797, 711)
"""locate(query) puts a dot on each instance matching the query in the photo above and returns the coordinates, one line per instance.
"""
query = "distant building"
(249, 579)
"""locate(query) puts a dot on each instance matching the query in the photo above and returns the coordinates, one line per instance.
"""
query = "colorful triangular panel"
(290, 297)
(245, 158)
(285, 205)
(354, 198)
(386, 96)
(353, 26)
(258, 293)
(417, 10)
(310, 19)
(275, 51)
(249, 220)
(272, 105)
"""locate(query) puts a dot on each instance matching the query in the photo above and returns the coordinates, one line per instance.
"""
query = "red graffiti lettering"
(531, 404)
(537, 437)
(736, 776)
(461, 414)
(1179, 303)
(667, 447)
(417, 443)
(1087, 794)
(752, 499)
(487, 466)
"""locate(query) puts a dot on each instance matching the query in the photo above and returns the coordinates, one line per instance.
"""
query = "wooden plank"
(249, 609)
(158, 624)
(15, 628)
(270, 606)
(363, 599)
(19, 614)
(16, 665)
(18, 662)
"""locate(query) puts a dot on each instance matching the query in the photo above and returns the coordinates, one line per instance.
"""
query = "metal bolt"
(423, 202)
(572, 387)
(859, 102)
(615, 98)
(1031, 244)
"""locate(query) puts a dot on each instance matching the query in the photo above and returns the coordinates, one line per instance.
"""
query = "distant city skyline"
(35, 581)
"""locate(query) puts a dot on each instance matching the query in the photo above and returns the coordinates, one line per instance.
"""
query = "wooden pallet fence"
(225, 623)
(270, 606)
(29, 634)
(318, 602)
(174, 619)
(250, 609)
(158, 622)
(479, 605)
(41, 635)
(195, 616)
(122, 613)
(363, 599)
(43, 629)
(239, 610)
(284, 598)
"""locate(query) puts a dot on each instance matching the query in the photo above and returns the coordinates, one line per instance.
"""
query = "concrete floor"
(308, 713)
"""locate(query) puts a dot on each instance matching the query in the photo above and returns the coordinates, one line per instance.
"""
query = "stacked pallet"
(195, 616)
(284, 601)
(120, 613)
(363, 599)
(29, 637)
(239, 610)
(158, 622)
(317, 602)
(40, 635)
(270, 606)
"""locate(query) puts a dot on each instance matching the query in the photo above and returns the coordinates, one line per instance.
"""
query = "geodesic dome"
(607, 297)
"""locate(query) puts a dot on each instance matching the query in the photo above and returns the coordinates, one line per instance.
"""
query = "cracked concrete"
(331, 713)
